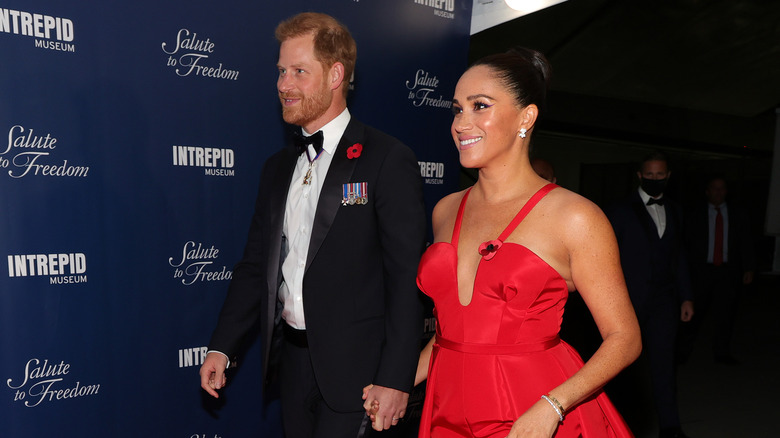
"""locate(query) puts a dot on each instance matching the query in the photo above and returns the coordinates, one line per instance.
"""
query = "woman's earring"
(522, 132)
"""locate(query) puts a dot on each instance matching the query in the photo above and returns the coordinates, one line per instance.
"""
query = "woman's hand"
(539, 421)
(373, 408)
(385, 406)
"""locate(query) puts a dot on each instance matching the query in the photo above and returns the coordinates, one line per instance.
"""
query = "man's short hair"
(654, 156)
(332, 41)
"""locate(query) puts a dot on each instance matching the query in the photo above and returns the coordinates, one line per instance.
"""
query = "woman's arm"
(594, 260)
(424, 362)
(442, 221)
(595, 271)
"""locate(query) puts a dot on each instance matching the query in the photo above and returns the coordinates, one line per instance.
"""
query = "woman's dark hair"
(525, 72)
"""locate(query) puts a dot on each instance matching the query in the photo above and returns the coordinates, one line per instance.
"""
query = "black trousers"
(652, 380)
(304, 412)
(716, 291)
(659, 331)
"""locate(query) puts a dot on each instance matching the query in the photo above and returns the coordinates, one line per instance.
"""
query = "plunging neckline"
(524, 210)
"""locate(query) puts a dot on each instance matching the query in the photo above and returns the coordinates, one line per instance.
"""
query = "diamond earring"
(522, 132)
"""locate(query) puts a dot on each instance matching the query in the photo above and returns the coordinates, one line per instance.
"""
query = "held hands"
(212, 373)
(385, 406)
(540, 420)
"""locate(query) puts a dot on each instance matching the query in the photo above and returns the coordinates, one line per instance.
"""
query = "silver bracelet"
(557, 410)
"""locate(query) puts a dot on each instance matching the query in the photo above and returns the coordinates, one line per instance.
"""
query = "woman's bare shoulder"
(445, 211)
(449, 203)
(574, 211)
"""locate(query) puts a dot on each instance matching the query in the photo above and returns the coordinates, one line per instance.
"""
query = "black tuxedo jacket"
(741, 256)
(362, 306)
(639, 245)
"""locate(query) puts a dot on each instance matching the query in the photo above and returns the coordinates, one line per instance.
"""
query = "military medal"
(312, 162)
(307, 178)
(355, 193)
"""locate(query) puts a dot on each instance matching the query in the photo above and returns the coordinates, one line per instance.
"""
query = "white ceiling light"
(488, 13)
(529, 6)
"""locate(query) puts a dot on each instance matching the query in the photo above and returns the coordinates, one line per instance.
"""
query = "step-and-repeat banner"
(132, 135)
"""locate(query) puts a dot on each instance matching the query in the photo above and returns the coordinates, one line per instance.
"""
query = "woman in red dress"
(506, 253)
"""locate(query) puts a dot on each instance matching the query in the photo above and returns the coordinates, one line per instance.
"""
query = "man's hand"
(212, 373)
(686, 311)
(386, 406)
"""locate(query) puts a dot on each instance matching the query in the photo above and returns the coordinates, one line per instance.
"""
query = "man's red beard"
(308, 109)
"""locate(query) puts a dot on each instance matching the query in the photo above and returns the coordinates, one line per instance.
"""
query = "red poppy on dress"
(354, 151)
(488, 249)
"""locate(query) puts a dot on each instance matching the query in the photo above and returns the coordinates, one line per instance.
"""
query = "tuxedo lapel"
(339, 173)
(644, 217)
(671, 219)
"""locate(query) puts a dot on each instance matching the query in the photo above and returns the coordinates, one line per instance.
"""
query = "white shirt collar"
(333, 131)
(645, 197)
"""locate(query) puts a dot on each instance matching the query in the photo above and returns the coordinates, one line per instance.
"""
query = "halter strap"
(459, 219)
(541, 193)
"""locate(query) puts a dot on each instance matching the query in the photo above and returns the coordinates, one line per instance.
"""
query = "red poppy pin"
(488, 249)
(355, 151)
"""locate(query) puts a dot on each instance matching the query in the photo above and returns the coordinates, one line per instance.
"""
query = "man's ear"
(336, 75)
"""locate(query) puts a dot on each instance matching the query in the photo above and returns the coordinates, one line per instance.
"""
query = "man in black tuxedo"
(648, 227)
(331, 259)
(722, 262)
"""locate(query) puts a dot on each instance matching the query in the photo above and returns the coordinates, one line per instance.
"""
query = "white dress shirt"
(657, 212)
(299, 217)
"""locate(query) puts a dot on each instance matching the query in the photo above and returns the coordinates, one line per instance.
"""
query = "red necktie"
(717, 253)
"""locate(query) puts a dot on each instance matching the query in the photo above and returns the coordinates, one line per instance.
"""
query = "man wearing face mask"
(648, 227)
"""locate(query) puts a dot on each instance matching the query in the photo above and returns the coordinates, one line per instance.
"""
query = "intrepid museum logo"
(27, 154)
(432, 172)
(55, 33)
(190, 357)
(66, 268)
(215, 161)
(195, 264)
(45, 382)
(441, 8)
(422, 91)
(189, 56)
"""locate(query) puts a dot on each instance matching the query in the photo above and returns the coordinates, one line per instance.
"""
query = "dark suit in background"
(717, 282)
(657, 277)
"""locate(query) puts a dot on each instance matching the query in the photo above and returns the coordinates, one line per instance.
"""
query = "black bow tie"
(302, 142)
(659, 201)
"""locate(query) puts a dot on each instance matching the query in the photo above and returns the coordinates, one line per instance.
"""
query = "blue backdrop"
(133, 134)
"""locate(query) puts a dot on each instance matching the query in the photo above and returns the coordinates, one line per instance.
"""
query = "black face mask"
(654, 187)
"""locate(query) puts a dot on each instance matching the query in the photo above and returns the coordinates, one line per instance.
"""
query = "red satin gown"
(496, 356)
